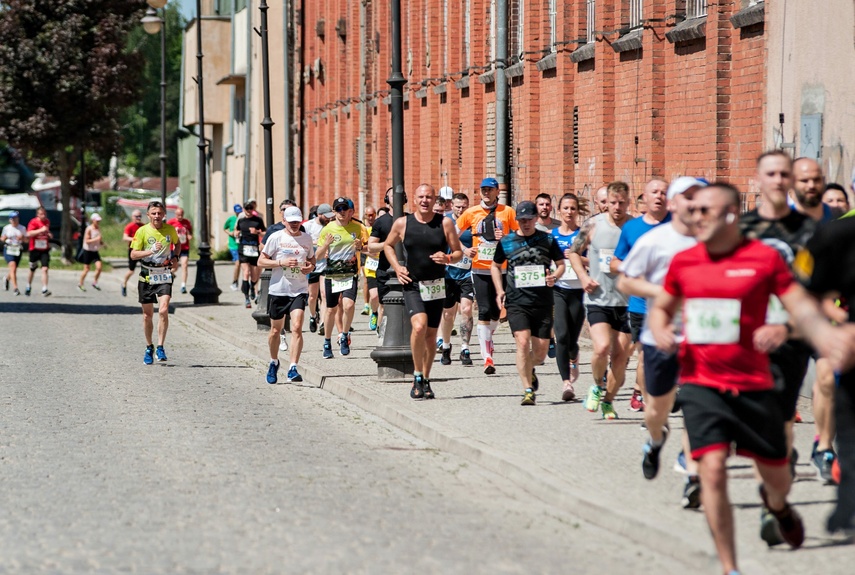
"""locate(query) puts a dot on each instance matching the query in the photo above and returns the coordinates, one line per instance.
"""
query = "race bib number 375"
(529, 276)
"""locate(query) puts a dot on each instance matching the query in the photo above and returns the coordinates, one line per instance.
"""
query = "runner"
(341, 241)
(13, 235)
(642, 274)
(379, 232)
(248, 231)
(155, 244)
(185, 233)
(427, 237)
(128, 237)
(487, 222)
(545, 221)
(724, 284)
(229, 227)
(371, 302)
(569, 307)
(324, 215)
(529, 253)
(606, 306)
(835, 197)
(92, 244)
(459, 293)
(601, 200)
(290, 255)
(656, 213)
(38, 231)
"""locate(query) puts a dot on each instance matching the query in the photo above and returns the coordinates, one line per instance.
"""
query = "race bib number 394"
(712, 320)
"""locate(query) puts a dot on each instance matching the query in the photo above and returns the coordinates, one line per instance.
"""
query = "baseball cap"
(489, 183)
(526, 210)
(446, 193)
(341, 203)
(247, 205)
(293, 214)
(682, 184)
(325, 210)
(94, 218)
(14, 214)
(237, 209)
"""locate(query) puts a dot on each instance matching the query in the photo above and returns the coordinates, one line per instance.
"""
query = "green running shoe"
(529, 398)
(608, 410)
(592, 400)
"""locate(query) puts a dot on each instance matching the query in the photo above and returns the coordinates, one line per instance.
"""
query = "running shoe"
(569, 394)
(465, 358)
(234, 286)
(366, 309)
(313, 324)
(794, 460)
(636, 402)
(148, 358)
(96, 287)
(321, 329)
(592, 401)
(692, 493)
(28, 290)
(427, 390)
(247, 304)
(535, 384)
(574, 372)
(453, 331)
(124, 291)
(439, 343)
(529, 397)
(161, 355)
(183, 288)
(608, 410)
(80, 287)
(327, 350)
(680, 463)
(17, 291)
(46, 292)
(283, 343)
(650, 460)
(252, 295)
(798, 417)
(823, 461)
(417, 392)
(6, 282)
(273, 372)
(372, 321)
(551, 352)
(489, 368)
(446, 356)
(789, 523)
(293, 375)
(344, 344)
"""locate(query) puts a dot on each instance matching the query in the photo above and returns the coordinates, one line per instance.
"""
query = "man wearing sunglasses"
(128, 236)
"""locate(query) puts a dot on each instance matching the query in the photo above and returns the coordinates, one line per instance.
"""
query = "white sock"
(293, 366)
(446, 345)
(464, 347)
(485, 338)
(276, 361)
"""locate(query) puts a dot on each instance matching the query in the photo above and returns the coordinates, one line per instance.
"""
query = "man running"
(528, 299)
(835, 197)
(656, 213)
(12, 236)
(155, 245)
(38, 231)
(545, 221)
(229, 227)
(369, 294)
(128, 236)
(723, 285)
(427, 237)
(487, 222)
(341, 242)
(379, 233)
(323, 215)
(249, 229)
(459, 293)
(93, 241)
(185, 233)
(290, 255)
(606, 306)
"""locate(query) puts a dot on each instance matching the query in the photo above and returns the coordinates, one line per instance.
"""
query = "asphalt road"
(197, 466)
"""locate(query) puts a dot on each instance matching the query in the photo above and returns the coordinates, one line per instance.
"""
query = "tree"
(65, 77)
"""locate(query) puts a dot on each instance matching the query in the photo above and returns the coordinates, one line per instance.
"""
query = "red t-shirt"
(725, 300)
(40, 242)
(132, 228)
(184, 228)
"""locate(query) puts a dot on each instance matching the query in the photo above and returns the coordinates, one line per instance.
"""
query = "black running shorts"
(616, 317)
(537, 320)
(415, 305)
(331, 298)
(278, 306)
(660, 371)
(148, 293)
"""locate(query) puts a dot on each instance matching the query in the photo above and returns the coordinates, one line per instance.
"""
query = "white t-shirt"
(650, 258)
(313, 227)
(14, 234)
(288, 281)
(94, 243)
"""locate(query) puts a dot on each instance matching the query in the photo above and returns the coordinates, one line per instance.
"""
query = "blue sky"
(188, 8)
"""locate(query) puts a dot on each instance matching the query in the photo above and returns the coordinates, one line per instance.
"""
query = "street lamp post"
(205, 291)
(152, 24)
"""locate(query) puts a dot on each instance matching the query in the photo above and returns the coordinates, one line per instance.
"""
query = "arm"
(834, 343)
(496, 275)
(660, 318)
(637, 286)
(614, 265)
(453, 241)
(323, 246)
(552, 277)
(396, 234)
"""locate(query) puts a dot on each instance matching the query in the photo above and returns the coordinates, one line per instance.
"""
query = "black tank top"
(420, 242)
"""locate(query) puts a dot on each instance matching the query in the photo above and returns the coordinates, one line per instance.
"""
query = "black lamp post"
(260, 313)
(152, 24)
(395, 358)
(205, 291)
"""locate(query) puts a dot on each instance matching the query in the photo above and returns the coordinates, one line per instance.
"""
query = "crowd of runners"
(724, 308)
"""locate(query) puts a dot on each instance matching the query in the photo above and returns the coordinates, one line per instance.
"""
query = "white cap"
(94, 218)
(682, 184)
(446, 193)
(293, 214)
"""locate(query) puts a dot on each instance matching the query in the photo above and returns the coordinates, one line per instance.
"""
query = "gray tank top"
(600, 254)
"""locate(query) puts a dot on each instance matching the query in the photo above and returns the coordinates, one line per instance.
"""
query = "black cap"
(526, 210)
(341, 203)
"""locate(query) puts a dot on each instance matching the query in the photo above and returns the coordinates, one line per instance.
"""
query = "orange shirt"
(506, 219)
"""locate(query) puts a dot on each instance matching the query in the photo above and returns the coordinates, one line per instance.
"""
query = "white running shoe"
(283, 343)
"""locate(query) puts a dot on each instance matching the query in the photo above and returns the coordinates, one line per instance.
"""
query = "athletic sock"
(485, 338)
(244, 287)
(417, 374)
(292, 366)
(494, 323)
(276, 361)
(654, 443)
(464, 346)
(446, 345)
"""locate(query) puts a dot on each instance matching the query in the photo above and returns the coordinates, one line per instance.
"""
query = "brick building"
(598, 90)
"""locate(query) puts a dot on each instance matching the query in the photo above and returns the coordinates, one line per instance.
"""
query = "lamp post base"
(394, 357)
(205, 291)
(262, 320)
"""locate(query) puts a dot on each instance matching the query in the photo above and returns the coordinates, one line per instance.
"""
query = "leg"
(844, 411)
(44, 277)
(418, 343)
(185, 264)
(330, 314)
(448, 315)
(98, 268)
(823, 404)
(314, 290)
(13, 274)
(374, 299)
(430, 350)
(656, 411)
(777, 482)
(148, 323)
(348, 309)
(713, 472)
(276, 326)
(601, 338)
(296, 335)
(83, 274)
(466, 323)
(539, 349)
(562, 328)
(162, 318)
(30, 275)
(523, 340)
(621, 350)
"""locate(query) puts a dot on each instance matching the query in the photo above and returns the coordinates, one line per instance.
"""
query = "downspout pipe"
(247, 166)
(502, 101)
(289, 192)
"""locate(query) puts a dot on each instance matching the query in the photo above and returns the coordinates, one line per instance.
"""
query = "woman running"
(91, 245)
(13, 236)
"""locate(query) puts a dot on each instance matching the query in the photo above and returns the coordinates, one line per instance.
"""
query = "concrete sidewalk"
(555, 451)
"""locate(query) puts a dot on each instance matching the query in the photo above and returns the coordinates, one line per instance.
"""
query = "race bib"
(158, 276)
(182, 238)
(13, 250)
(606, 260)
(339, 286)
(40, 244)
(569, 272)
(529, 276)
(249, 251)
(432, 290)
(465, 263)
(487, 250)
(712, 320)
(292, 273)
(775, 312)
(371, 264)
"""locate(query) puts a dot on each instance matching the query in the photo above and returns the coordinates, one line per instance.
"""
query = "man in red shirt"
(723, 285)
(128, 237)
(185, 233)
(38, 230)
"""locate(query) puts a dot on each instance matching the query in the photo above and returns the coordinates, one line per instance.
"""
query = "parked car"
(26, 205)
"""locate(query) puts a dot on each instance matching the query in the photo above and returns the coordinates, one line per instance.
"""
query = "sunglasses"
(341, 209)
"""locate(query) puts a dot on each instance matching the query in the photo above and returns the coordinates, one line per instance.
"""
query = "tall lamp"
(152, 24)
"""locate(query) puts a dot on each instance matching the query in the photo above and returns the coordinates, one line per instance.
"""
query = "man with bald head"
(808, 187)
(601, 200)
(185, 233)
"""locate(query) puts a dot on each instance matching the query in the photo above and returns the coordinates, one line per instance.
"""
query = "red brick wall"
(695, 108)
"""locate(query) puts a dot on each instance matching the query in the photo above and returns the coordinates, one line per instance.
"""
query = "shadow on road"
(67, 308)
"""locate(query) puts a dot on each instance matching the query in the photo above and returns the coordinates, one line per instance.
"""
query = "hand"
(358, 245)
(253, 230)
(292, 263)
(567, 253)
(837, 344)
(156, 247)
(589, 284)
(469, 252)
(665, 339)
(499, 233)
(768, 338)
(500, 299)
(328, 240)
(307, 267)
(439, 258)
(550, 279)
(403, 275)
